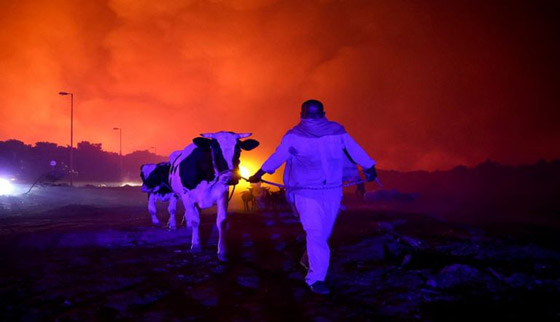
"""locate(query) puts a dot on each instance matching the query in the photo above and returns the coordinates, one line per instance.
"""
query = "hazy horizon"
(252, 164)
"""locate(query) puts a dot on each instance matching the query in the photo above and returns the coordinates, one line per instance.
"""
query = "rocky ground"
(87, 254)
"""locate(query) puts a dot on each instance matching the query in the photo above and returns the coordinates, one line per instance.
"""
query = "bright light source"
(245, 173)
(131, 184)
(6, 187)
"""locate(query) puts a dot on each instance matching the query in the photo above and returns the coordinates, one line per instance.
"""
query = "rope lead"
(348, 184)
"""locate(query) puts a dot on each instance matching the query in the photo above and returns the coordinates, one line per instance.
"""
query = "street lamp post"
(71, 135)
(120, 150)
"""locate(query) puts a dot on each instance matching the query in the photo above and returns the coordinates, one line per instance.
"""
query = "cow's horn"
(243, 135)
(207, 135)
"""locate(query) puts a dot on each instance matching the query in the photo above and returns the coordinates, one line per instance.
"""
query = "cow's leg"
(193, 221)
(221, 223)
(152, 198)
(172, 208)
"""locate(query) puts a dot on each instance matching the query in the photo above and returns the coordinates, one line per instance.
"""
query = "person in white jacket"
(315, 152)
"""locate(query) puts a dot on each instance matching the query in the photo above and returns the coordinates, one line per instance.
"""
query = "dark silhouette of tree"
(134, 160)
(13, 154)
(43, 153)
(91, 163)
(94, 164)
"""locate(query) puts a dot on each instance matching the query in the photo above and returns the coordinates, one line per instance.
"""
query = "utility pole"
(71, 135)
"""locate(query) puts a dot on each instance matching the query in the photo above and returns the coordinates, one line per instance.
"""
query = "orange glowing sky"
(420, 84)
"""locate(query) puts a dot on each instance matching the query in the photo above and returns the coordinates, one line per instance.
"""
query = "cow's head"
(153, 176)
(145, 171)
(226, 148)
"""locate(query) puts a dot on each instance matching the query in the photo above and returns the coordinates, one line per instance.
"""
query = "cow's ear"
(249, 144)
(202, 143)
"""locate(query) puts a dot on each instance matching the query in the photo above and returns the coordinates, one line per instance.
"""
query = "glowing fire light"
(6, 187)
(245, 173)
(131, 184)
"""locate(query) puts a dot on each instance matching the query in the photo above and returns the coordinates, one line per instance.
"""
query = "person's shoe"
(319, 287)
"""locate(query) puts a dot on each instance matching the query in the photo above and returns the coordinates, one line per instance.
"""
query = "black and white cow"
(155, 181)
(201, 176)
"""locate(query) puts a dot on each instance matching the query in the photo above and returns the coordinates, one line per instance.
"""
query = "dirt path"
(84, 263)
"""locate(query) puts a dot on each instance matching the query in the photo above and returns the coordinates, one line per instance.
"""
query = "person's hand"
(256, 177)
(370, 174)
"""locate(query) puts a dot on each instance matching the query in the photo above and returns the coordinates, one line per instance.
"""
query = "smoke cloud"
(419, 85)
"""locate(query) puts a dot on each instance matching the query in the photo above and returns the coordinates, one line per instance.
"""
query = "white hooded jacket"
(314, 152)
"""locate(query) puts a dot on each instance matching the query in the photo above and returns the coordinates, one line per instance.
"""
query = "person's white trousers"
(317, 217)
